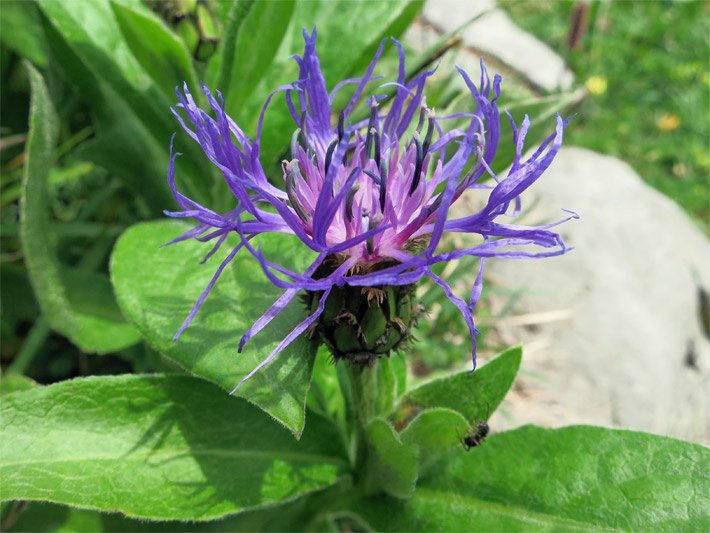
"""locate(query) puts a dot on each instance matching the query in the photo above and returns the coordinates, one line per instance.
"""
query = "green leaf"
(36, 228)
(102, 328)
(40, 517)
(325, 395)
(349, 32)
(132, 110)
(382, 378)
(392, 465)
(21, 30)
(156, 288)
(158, 50)
(157, 447)
(251, 39)
(575, 478)
(348, 35)
(10, 383)
(94, 328)
(475, 395)
(45, 517)
(435, 432)
(398, 363)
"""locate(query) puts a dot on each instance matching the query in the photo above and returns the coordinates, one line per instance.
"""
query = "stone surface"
(612, 331)
(495, 34)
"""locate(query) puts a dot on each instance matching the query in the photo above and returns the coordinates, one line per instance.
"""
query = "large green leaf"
(158, 447)
(156, 288)
(572, 478)
(80, 307)
(475, 395)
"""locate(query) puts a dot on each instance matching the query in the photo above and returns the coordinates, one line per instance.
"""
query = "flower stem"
(358, 415)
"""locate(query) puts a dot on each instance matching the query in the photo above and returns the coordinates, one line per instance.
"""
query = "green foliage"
(20, 30)
(158, 50)
(435, 432)
(102, 327)
(383, 377)
(353, 31)
(85, 313)
(106, 453)
(157, 447)
(156, 288)
(252, 37)
(10, 383)
(36, 225)
(129, 102)
(391, 465)
(474, 395)
(574, 478)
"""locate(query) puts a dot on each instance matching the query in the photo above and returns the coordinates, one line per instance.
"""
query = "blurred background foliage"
(111, 68)
(646, 67)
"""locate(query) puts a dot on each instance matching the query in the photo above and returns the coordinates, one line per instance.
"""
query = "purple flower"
(371, 197)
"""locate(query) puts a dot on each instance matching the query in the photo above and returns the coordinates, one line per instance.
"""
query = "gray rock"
(495, 34)
(613, 332)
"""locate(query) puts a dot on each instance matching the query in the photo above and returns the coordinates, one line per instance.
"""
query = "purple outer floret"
(365, 190)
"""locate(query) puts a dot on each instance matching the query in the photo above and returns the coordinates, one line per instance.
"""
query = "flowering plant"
(321, 262)
(371, 198)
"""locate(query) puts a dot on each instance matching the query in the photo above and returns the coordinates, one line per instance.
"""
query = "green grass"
(654, 112)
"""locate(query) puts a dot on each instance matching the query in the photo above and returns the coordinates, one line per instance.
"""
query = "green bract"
(360, 324)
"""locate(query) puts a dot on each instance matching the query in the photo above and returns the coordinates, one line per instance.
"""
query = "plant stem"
(357, 415)
(31, 347)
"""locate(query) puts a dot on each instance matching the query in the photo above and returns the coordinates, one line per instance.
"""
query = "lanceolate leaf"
(158, 50)
(84, 312)
(475, 395)
(575, 478)
(132, 109)
(253, 33)
(20, 30)
(35, 226)
(156, 288)
(157, 447)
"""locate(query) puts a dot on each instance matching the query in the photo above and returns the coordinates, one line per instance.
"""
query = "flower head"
(371, 197)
